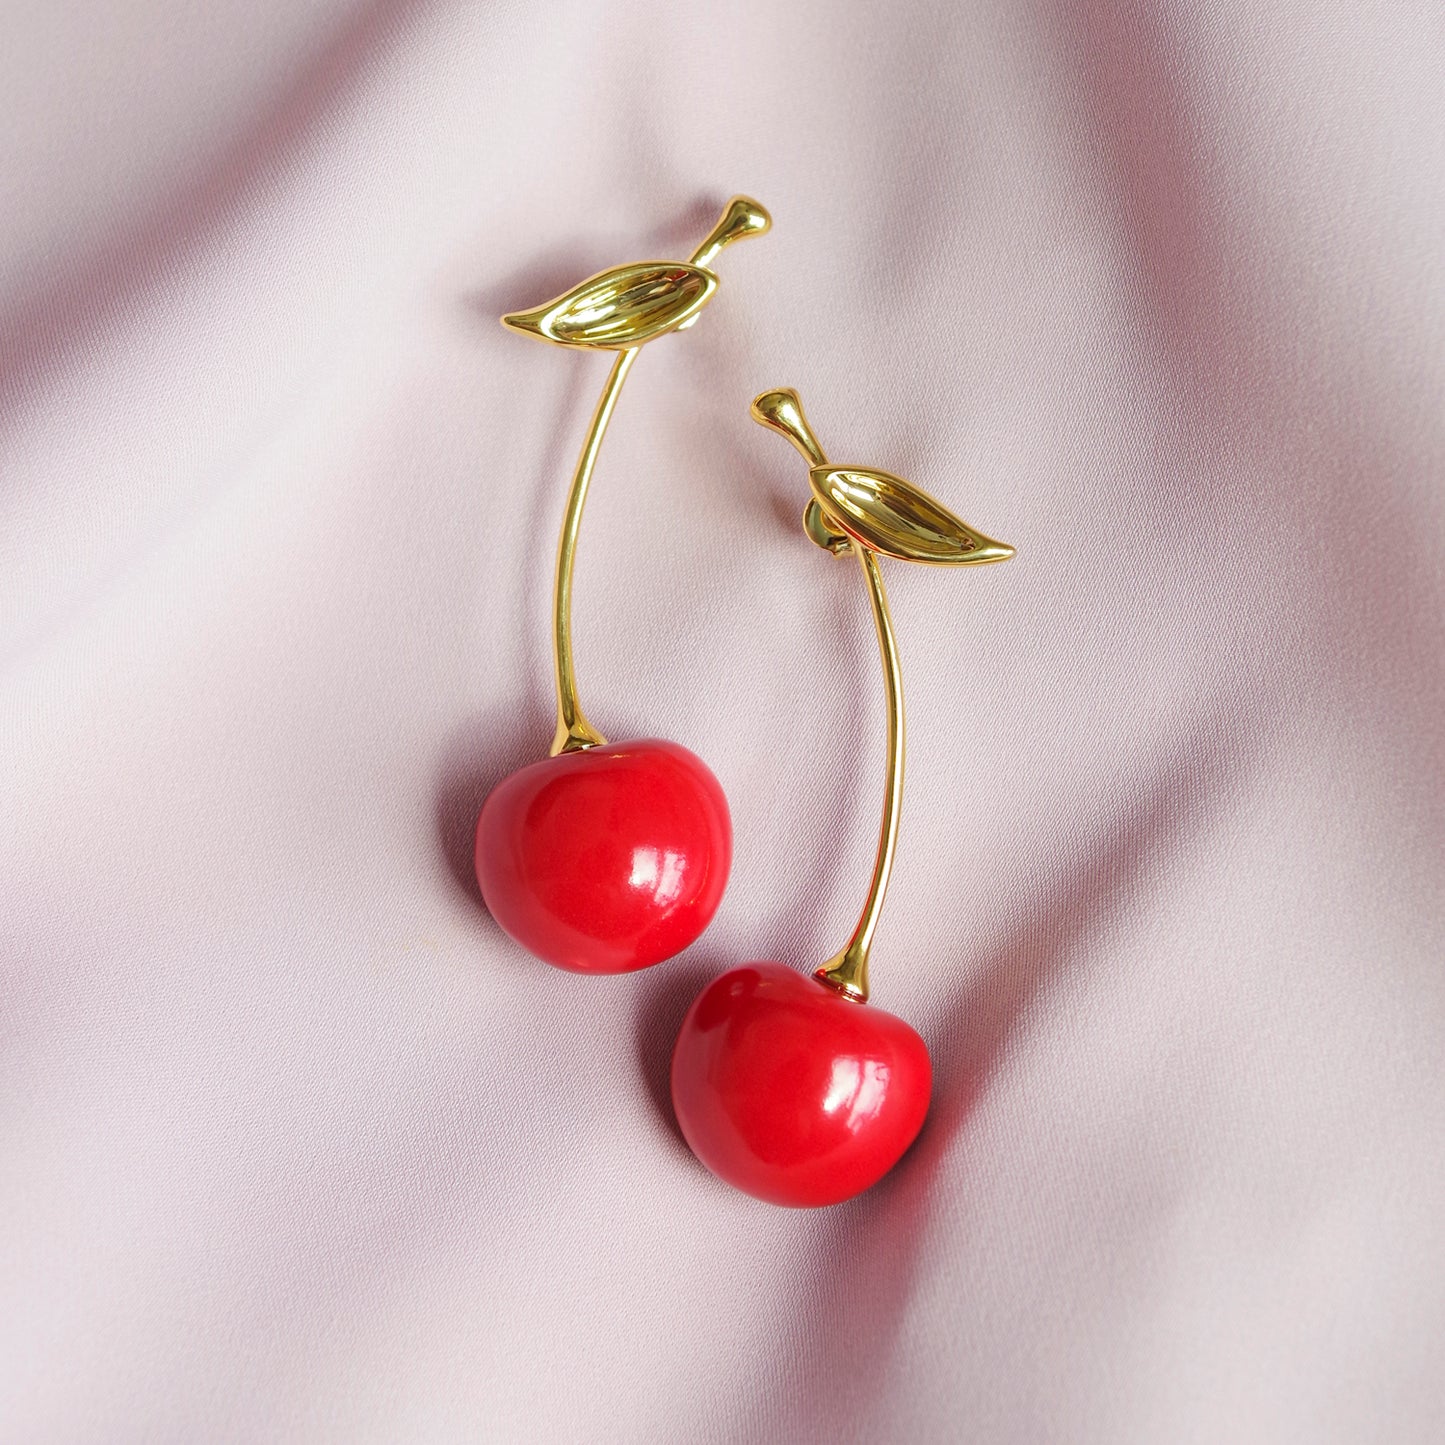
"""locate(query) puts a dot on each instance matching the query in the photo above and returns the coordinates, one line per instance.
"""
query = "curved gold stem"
(574, 732)
(782, 412)
(859, 510)
(848, 971)
(741, 217)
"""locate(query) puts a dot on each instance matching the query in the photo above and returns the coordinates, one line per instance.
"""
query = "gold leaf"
(621, 308)
(897, 519)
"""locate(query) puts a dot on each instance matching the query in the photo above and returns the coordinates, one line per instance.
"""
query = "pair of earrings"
(609, 857)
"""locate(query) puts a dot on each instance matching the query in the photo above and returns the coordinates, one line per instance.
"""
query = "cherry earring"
(608, 857)
(786, 1086)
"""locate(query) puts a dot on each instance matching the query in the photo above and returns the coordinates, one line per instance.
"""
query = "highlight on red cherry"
(794, 1093)
(606, 859)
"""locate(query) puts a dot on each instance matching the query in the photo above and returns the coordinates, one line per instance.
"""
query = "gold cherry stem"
(782, 412)
(741, 217)
(848, 970)
(574, 732)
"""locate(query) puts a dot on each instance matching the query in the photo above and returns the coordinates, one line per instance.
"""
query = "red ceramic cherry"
(607, 859)
(793, 1093)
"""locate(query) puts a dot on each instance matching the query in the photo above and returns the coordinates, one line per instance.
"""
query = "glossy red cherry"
(608, 859)
(793, 1093)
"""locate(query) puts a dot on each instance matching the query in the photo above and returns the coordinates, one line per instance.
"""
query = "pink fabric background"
(294, 1145)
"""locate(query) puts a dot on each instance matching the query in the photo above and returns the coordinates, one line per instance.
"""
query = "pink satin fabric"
(294, 1143)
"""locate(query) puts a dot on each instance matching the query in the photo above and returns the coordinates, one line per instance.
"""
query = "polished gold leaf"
(621, 308)
(894, 517)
